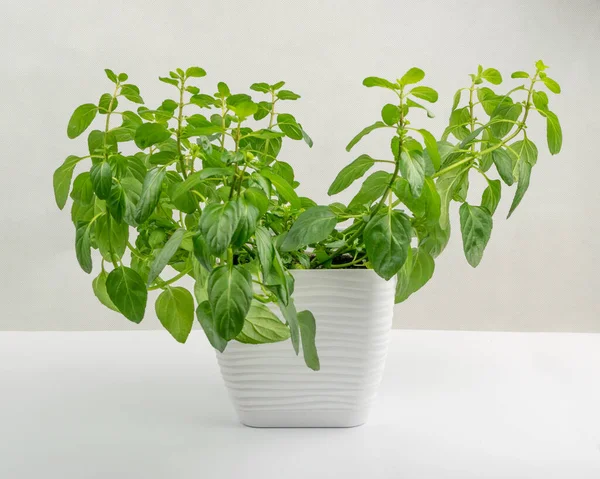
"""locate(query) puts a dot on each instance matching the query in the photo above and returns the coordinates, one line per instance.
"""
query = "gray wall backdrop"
(540, 271)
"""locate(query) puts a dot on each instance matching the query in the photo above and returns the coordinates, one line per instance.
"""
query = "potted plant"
(210, 197)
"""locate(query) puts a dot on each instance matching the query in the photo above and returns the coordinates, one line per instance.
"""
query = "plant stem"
(170, 281)
(179, 122)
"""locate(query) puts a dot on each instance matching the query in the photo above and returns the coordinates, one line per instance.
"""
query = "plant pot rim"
(365, 271)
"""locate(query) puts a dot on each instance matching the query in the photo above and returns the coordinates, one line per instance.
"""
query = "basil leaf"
(387, 239)
(553, 132)
(390, 114)
(127, 291)
(151, 190)
(522, 185)
(425, 93)
(217, 224)
(265, 249)
(431, 148)
(248, 216)
(201, 252)
(230, 295)
(308, 331)
(551, 84)
(262, 326)
(80, 120)
(447, 185)
(61, 180)
(491, 196)
(372, 188)
(119, 235)
(492, 75)
(164, 255)
(412, 167)
(150, 134)
(350, 173)
(526, 150)
(476, 227)
(99, 287)
(504, 165)
(195, 72)
(83, 246)
(117, 202)
(364, 132)
(313, 225)
(291, 316)
(101, 176)
(380, 82)
(288, 125)
(414, 75)
(285, 190)
(175, 310)
(207, 321)
(414, 274)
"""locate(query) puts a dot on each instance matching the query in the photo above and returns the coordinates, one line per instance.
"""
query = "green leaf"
(164, 256)
(217, 224)
(313, 225)
(127, 291)
(476, 227)
(287, 95)
(82, 246)
(350, 173)
(432, 148)
(61, 180)
(99, 287)
(117, 202)
(540, 65)
(526, 150)
(506, 110)
(265, 249)
(261, 87)
(426, 206)
(170, 81)
(201, 252)
(520, 74)
(372, 188)
(175, 310)
(150, 134)
(285, 190)
(308, 331)
(414, 75)
(162, 157)
(82, 118)
(101, 176)
(456, 100)
(248, 216)
(504, 165)
(488, 99)
(447, 185)
(262, 326)
(207, 321)
(425, 93)
(552, 85)
(414, 104)
(151, 190)
(491, 196)
(195, 72)
(387, 239)
(107, 104)
(257, 198)
(553, 133)
(412, 167)
(414, 274)
(119, 235)
(132, 93)
(364, 132)
(291, 317)
(540, 101)
(380, 82)
(390, 114)
(288, 125)
(492, 75)
(522, 185)
(111, 75)
(230, 295)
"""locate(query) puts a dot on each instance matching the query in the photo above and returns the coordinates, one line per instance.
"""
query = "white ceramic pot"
(272, 387)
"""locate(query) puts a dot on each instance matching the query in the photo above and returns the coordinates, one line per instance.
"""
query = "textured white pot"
(272, 387)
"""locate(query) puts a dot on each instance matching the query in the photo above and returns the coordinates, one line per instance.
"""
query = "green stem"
(179, 122)
(170, 281)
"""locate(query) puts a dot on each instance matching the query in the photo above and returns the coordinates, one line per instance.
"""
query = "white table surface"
(111, 405)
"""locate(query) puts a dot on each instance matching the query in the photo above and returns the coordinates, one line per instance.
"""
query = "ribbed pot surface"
(272, 387)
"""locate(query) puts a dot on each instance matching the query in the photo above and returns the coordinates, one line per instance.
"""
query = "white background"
(540, 268)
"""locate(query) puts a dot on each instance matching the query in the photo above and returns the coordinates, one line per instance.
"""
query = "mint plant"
(194, 187)
(399, 219)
